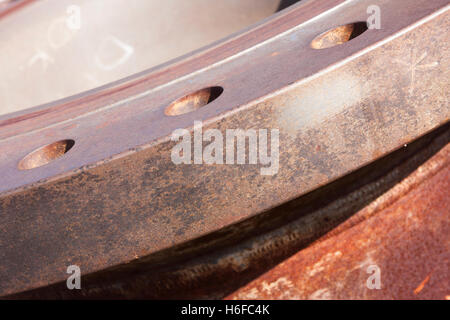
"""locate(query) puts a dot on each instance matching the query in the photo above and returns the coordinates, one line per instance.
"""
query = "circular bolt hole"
(193, 101)
(339, 35)
(46, 154)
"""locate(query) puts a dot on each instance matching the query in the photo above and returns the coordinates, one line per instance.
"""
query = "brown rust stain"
(45, 154)
(406, 238)
(338, 35)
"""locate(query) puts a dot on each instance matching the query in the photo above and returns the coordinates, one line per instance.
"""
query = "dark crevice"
(286, 3)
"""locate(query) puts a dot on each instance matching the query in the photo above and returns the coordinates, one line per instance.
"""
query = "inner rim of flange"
(61, 48)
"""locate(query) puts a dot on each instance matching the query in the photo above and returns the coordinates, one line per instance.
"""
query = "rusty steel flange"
(218, 264)
(116, 196)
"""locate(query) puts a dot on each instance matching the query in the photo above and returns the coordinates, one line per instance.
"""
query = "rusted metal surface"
(339, 35)
(404, 233)
(117, 196)
(45, 155)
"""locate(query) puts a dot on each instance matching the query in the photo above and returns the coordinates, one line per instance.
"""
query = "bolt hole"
(339, 35)
(193, 101)
(46, 154)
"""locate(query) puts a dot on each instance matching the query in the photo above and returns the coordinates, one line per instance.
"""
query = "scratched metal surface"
(137, 202)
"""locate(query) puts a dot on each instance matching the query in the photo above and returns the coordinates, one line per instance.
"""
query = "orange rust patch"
(422, 284)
